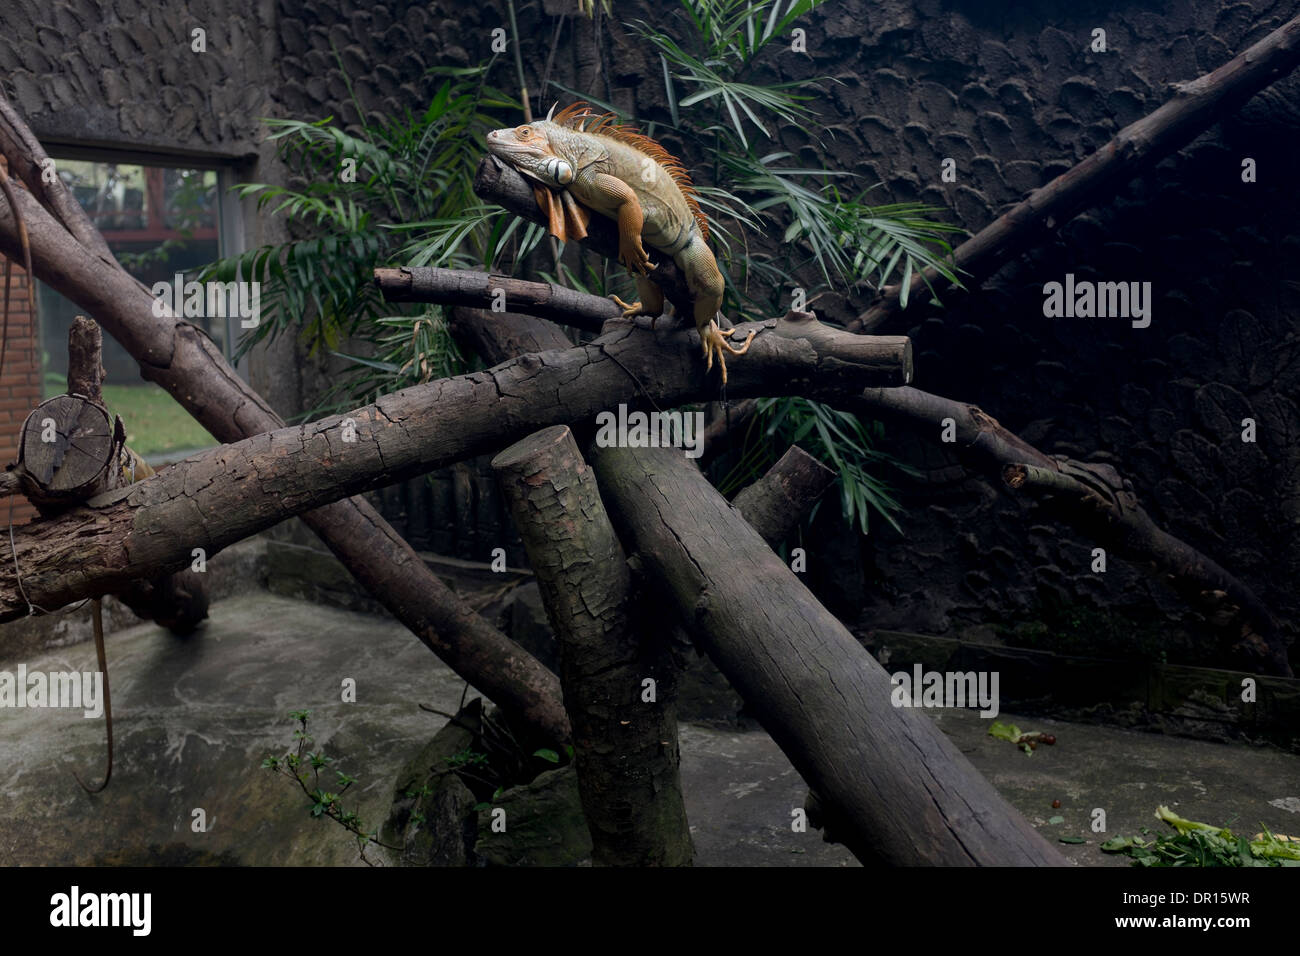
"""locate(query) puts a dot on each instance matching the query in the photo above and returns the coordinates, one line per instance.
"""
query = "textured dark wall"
(1015, 97)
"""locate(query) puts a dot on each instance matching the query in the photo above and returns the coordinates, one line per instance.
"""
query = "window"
(159, 221)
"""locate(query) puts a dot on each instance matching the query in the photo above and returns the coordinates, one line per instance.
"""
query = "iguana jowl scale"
(581, 161)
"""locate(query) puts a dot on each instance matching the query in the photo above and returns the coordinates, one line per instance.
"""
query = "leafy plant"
(830, 237)
(400, 192)
(836, 437)
(324, 803)
(1200, 844)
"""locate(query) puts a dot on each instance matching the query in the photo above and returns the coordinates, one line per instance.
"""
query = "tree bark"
(1195, 106)
(776, 503)
(236, 490)
(1095, 499)
(625, 746)
(901, 792)
(483, 291)
(186, 363)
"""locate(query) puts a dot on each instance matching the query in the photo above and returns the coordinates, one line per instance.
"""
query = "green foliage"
(723, 114)
(412, 203)
(829, 238)
(1200, 844)
(400, 192)
(322, 803)
(840, 439)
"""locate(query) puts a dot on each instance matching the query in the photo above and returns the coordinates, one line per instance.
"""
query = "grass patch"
(155, 422)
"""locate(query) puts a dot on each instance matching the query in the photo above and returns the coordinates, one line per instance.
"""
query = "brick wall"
(20, 384)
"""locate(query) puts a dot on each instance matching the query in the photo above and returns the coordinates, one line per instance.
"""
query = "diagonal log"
(1094, 499)
(186, 363)
(229, 493)
(1194, 107)
(901, 791)
(1007, 837)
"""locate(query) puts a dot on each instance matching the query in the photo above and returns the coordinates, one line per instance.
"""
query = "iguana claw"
(714, 339)
(628, 310)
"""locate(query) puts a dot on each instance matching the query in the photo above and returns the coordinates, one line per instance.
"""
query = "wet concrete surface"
(194, 718)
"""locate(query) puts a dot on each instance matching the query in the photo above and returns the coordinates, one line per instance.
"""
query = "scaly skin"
(630, 179)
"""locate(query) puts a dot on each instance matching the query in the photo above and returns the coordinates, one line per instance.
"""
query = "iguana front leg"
(612, 193)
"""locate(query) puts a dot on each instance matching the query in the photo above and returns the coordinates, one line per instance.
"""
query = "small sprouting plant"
(300, 763)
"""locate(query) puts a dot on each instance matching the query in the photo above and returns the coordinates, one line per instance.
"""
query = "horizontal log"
(497, 293)
(213, 500)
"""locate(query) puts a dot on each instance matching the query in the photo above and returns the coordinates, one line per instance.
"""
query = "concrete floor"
(194, 718)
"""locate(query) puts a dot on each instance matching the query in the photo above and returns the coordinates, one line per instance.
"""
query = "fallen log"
(1194, 107)
(901, 792)
(625, 745)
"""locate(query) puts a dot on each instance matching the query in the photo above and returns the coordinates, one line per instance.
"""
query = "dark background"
(1015, 97)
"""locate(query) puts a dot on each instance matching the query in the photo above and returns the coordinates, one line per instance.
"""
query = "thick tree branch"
(626, 749)
(28, 159)
(1094, 499)
(213, 500)
(1195, 107)
(776, 503)
(901, 791)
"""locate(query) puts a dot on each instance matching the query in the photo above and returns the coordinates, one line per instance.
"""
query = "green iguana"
(580, 161)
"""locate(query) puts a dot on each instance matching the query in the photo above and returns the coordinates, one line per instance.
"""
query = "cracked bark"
(87, 458)
(625, 747)
(215, 499)
(858, 752)
(899, 790)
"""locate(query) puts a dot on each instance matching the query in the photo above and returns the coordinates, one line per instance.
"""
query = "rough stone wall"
(1014, 97)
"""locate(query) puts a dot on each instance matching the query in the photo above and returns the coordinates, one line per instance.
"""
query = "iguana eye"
(524, 132)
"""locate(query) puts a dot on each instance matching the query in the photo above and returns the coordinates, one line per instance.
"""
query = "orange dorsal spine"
(579, 116)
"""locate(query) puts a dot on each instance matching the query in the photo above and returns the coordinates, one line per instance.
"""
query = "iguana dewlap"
(582, 161)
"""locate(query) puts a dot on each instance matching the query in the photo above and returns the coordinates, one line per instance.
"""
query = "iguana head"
(531, 149)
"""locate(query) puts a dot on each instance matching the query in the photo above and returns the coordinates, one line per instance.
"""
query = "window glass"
(159, 221)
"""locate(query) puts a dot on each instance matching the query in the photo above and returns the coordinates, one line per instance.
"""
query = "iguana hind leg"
(714, 341)
(651, 304)
(706, 285)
